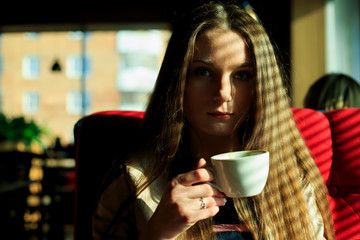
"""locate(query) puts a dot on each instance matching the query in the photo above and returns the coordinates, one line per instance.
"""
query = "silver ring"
(202, 203)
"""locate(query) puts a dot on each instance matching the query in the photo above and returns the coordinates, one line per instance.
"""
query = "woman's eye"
(203, 72)
(242, 75)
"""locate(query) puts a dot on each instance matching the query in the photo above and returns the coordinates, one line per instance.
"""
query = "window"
(120, 70)
(79, 35)
(139, 59)
(1, 60)
(74, 103)
(31, 67)
(134, 100)
(74, 66)
(1, 64)
(139, 64)
(31, 35)
(30, 102)
(76, 35)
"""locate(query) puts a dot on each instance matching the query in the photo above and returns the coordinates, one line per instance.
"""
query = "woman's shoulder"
(136, 164)
(118, 190)
(117, 198)
(124, 181)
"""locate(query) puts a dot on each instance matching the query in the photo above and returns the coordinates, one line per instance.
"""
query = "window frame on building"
(30, 102)
(31, 67)
(74, 66)
(74, 102)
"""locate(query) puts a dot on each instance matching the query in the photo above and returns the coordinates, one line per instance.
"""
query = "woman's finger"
(208, 202)
(199, 175)
(203, 190)
(200, 164)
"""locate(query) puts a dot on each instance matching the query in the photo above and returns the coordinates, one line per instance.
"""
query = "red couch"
(333, 138)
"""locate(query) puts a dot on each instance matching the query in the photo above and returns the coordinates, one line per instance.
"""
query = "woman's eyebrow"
(208, 62)
(203, 61)
(246, 65)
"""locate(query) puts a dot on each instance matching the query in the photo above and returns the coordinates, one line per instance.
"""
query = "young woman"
(219, 90)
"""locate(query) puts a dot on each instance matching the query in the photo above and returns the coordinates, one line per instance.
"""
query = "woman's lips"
(220, 115)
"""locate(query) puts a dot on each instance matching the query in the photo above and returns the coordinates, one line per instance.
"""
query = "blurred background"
(64, 60)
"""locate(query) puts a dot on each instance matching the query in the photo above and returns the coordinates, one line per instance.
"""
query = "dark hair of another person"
(333, 91)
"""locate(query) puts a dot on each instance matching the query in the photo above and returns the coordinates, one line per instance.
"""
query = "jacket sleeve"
(114, 217)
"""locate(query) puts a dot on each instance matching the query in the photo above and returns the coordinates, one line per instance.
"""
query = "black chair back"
(100, 139)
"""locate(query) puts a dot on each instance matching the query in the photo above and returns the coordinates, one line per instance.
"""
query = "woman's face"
(218, 92)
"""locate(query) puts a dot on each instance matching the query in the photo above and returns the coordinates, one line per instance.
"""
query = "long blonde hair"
(281, 211)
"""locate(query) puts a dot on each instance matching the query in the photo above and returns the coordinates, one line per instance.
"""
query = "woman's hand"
(181, 205)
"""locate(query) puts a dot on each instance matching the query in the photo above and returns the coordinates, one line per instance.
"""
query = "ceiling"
(68, 14)
(105, 15)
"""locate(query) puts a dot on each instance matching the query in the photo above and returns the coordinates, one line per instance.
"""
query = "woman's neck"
(205, 146)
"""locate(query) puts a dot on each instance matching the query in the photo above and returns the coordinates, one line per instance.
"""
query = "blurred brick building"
(45, 76)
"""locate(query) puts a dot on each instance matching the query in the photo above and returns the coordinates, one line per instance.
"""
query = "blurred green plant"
(18, 129)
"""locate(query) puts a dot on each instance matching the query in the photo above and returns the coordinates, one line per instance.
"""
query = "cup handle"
(213, 183)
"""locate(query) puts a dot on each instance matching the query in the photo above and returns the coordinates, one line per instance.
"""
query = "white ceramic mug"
(242, 173)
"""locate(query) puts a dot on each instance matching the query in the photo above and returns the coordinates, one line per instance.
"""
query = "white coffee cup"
(240, 174)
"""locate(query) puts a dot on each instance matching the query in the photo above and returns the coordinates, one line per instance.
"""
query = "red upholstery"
(344, 180)
(345, 129)
(314, 128)
(333, 139)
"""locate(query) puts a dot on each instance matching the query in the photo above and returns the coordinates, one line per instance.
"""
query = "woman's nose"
(224, 91)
